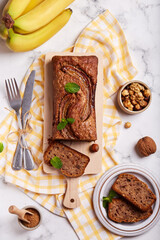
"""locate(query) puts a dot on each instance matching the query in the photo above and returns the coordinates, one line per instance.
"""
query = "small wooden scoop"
(19, 212)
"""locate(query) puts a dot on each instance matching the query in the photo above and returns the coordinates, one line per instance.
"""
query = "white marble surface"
(140, 22)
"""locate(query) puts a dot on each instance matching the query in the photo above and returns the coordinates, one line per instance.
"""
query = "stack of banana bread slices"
(135, 201)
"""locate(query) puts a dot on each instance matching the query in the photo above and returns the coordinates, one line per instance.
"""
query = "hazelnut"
(127, 125)
(94, 148)
(147, 93)
(146, 146)
(143, 103)
(125, 92)
(137, 107)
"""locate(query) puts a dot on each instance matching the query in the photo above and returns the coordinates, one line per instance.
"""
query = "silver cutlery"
(22, 154)
(26, 104)
(15, 102)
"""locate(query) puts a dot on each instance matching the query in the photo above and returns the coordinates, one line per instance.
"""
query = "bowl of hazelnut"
(134, 97)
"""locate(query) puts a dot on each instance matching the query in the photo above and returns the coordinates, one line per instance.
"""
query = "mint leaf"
(61, 125)
(70, 120)
(64, 122)
(106, 200)
(1, 147)
(109, 198)
(112, 194)
(56, 162)
(72, 87)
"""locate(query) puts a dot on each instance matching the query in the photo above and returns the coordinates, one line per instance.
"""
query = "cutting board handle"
(71, 198)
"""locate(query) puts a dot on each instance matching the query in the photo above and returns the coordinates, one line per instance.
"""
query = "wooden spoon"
(19, 212)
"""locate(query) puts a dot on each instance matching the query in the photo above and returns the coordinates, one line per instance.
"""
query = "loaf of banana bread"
(73, 162)
(80, 105)
(134, 190)
(120, 210)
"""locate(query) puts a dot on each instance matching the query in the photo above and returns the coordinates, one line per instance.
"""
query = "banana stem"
(8, 21)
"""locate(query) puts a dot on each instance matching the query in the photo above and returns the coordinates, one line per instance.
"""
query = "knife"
(26, 104)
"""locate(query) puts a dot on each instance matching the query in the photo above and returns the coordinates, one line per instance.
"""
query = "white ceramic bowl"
(119, 97)
(102, 189)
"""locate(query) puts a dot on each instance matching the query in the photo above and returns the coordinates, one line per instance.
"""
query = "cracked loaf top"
(80, 106)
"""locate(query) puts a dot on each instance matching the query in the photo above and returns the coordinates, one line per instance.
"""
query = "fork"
(15, 102)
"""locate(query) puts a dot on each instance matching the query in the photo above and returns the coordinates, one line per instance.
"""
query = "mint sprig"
(56, 162)
(1, 147)
(70, 120)
(64, 122)
(71, 87)
(109, 198)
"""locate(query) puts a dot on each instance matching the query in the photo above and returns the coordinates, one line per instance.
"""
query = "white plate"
(102, 189)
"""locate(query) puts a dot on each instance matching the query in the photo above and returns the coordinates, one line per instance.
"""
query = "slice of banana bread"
(119, 210)
(134, 190)
(73, 162)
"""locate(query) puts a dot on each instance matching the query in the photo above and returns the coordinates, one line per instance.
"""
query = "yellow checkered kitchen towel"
(105, 36)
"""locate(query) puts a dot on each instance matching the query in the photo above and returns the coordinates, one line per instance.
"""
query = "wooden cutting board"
(71, 199)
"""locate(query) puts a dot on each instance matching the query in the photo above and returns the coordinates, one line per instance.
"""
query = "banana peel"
(3, 31)
(40, 15)
(21, 43)
(14, 8)
(32, 4)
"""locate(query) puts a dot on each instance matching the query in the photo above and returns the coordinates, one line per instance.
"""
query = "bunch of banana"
(26, 24)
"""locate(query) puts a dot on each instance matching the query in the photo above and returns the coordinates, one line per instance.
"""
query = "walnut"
(141, 87)
(125, 92)
(131, 92)
(133, 97)
(147, 93)
(146, 146)
(126, 98)
(135, 87)
(143, 103)
(137, 107)
(139, 96)
(131, 107)
(128, 104)
(134, 102)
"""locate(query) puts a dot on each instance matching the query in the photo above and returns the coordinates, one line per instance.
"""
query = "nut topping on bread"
(73, 162)
(135, 191)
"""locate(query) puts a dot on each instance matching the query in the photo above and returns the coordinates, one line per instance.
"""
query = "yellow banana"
(32, 4)
(15, 8)
(40, 15)
(3, 31)
(21, 43)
